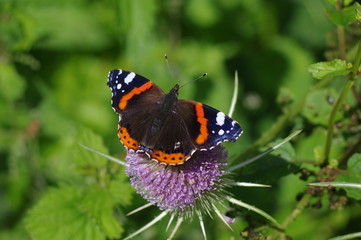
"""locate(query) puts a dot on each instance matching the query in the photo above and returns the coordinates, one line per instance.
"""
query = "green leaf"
(17, 32)
(343, 2)
(318, 107)
(334, 2)
(121, 190)
(342, 17)
(50, 115)
(85, 158)
(358, 11)
(312, 146)
(207, 17)
(94, 36)
(73, 213)
(267, 170)
(285, 152)
(354, 176)
(11, 82)
(99, 203)
(335, 67)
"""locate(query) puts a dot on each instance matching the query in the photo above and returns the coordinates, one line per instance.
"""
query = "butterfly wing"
(135, 99)
(207, 126)
(127, 87)
(168, 137)
(173, 144)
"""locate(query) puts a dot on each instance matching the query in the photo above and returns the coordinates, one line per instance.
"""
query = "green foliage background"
(54, 60)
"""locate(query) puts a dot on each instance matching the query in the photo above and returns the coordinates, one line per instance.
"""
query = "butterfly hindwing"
(220, 127)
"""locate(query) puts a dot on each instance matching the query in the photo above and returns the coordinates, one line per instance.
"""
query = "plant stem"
(331, 120)
(338, 103)
(341, 42)
(299, 207)
(356, 63)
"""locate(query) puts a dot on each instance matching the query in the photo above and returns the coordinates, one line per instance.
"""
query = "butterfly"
(165, 128)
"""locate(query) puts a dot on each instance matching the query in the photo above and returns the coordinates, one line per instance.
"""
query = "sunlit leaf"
(336, 67)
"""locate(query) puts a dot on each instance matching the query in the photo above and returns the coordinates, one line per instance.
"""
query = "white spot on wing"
(221, 132)
(220, 118)
(120, 72)
(129, 78)
(119, 86)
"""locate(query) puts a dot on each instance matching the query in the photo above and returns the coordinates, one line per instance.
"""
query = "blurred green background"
(54, 60)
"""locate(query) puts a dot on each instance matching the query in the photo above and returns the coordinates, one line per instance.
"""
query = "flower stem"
(331, 120)
(341, 41)
(300, 206)
(338, 103)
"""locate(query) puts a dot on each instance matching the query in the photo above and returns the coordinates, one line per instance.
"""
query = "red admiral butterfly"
(164, 127)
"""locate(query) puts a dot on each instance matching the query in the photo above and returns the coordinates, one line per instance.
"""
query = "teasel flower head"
(180, 189)
(198, 187)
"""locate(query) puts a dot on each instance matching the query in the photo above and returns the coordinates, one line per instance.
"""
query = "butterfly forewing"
(128, 86)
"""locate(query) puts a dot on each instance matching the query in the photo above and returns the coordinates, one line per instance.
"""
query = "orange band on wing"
(135, 91)
(169, 158)
(127, 141)
(203, 135)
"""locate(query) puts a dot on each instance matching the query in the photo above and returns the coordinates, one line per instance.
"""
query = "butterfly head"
(174, 91)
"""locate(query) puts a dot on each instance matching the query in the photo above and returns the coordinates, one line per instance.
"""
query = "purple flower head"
(179, 188)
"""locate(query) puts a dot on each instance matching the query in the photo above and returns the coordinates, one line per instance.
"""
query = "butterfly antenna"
(169, 70)
(202, 76)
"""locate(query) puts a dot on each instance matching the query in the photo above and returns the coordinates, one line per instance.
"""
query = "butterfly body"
(169, 130)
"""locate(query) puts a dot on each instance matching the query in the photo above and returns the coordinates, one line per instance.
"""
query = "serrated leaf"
(85, 158)
(121, 191)
(342, 17)
(336, 67)
(99, 203)
(73, 213)
(354, 176)
(110, 225)
(60, 207)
